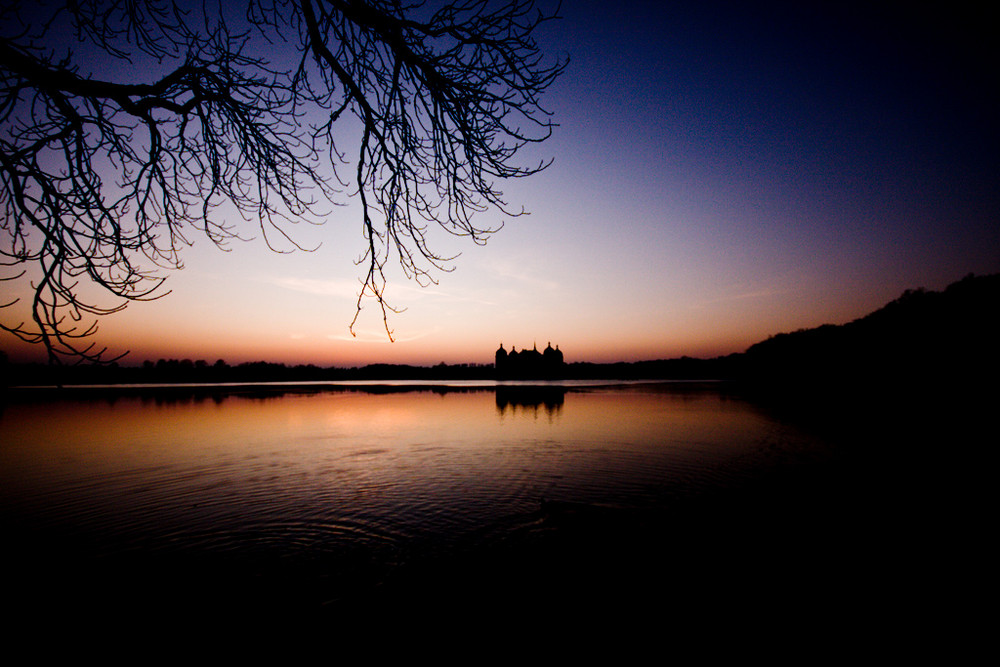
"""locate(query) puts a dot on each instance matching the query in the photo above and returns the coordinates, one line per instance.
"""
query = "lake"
(323, 502)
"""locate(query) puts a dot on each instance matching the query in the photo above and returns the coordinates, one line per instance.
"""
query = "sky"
(722, 172)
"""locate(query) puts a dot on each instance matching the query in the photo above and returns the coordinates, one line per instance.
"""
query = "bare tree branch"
(104, 180)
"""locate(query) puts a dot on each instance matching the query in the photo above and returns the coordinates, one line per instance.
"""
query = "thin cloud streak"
(351, 290)
(342, 288)
(759, 294)
(372, 336)
(513, 271)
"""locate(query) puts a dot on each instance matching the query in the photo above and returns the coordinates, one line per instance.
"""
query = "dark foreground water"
(659, 502)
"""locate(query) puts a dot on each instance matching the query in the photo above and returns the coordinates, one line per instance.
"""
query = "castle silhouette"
(529, 363)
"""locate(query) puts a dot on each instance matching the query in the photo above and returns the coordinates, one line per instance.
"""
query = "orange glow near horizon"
(701, 328)
(721, 197)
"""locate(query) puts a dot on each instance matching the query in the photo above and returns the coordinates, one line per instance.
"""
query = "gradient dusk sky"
(722, 172)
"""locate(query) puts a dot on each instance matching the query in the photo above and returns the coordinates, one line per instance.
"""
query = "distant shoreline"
(174, 372)
(922, 339)
(361, 386)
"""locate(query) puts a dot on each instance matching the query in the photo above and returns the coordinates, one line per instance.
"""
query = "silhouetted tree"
(126, 127)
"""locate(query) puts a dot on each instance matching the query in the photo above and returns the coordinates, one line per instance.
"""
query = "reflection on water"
(335, 493)
(548, 397)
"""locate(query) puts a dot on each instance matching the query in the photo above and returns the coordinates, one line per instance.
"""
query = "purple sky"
(721, 174)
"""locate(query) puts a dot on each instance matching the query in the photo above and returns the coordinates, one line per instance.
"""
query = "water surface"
(317, 499)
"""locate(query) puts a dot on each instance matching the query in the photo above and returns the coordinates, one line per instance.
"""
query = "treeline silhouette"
(923, 336)
(174, 371)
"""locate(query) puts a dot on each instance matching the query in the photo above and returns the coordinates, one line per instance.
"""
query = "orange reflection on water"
(124, 431)
(341, 486)
(434, 452)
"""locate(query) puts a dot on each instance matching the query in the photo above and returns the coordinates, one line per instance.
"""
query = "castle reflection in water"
(529, 364)
(529, 399)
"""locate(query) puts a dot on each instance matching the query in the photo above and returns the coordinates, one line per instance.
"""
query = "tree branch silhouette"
(104, 179)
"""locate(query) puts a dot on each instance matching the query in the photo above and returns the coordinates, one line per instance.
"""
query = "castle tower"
(501, 358)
